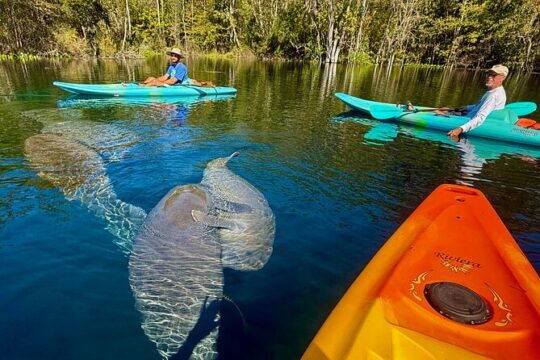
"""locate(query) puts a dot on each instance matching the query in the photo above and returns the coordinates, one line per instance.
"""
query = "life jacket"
(528, 124)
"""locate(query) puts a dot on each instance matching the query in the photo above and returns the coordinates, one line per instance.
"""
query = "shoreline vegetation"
(451, 33)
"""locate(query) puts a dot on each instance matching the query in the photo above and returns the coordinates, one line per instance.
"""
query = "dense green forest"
(440, 32)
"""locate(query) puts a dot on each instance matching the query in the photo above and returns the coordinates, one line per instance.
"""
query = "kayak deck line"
(451, 282)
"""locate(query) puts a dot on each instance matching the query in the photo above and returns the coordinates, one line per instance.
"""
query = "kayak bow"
(451, 283)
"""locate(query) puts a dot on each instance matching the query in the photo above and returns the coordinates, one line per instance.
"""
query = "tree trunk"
(18, 42)
(127, 27)
(336, 31)
(359, 34)
(158, 15)
(232, 24)
(128, 15)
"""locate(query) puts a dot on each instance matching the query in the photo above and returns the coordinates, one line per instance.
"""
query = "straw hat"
(175, 51)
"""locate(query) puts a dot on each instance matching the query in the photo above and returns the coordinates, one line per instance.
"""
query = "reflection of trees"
(329, 80)
(296, 154)
(511, 186)
(281, 106)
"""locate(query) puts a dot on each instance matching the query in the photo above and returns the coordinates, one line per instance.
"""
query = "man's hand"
(455, 133)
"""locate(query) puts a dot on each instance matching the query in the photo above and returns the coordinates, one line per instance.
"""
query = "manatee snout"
(234, 154)
(221, 162)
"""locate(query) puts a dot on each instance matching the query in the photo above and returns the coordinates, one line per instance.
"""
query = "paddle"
(522, 108)
(201, 92)
(385, 112)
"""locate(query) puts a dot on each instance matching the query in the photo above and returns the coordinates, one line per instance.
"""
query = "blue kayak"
(499, 125)
(132, 89)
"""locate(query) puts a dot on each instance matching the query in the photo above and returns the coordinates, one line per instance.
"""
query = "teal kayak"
(131, 90)
(499, 125)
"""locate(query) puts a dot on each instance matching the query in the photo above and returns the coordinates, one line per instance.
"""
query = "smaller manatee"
(245, 222)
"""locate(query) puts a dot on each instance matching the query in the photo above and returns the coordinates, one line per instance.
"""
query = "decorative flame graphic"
(464, 268)
(417, 281)
(500, 303)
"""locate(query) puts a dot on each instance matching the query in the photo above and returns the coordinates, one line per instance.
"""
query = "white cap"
(499, 69)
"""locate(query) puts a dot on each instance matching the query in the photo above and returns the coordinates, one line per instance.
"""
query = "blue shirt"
(179, 71)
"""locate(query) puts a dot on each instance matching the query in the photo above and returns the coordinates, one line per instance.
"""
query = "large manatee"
(176, 274)
(245, 222)
(80, 173)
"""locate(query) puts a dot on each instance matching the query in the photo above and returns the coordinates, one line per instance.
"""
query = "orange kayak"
(451, 283)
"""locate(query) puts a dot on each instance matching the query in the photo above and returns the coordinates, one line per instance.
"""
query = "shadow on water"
(203, 327)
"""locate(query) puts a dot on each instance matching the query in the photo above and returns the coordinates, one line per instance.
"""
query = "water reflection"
(114, 126)
(174, 109)
(339, 190)
(104, 102)
(474, 152)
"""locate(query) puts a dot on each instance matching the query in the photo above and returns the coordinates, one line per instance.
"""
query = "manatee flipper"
(214, 221)
(232, 207)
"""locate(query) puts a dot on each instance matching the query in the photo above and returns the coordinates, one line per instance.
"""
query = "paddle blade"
(505, 115)
(384, 112)
(522, 108)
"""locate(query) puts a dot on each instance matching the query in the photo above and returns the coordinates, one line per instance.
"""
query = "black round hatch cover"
(458, 303)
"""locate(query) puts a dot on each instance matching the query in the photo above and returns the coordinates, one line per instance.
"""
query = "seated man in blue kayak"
(493, 99)
(177, 73)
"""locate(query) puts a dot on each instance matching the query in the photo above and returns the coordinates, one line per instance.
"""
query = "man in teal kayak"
(177, 73)
(493, 99)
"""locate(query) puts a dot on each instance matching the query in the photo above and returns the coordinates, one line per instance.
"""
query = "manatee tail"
(221, 162)
(242, 317)
(234, 154)
(206, 323)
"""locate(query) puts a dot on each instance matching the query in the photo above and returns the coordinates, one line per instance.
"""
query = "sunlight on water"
(338, 185)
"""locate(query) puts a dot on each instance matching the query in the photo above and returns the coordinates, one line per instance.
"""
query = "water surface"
(339, 186)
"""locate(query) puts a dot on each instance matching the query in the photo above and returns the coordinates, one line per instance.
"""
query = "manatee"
(244, 221)
(112, 140)
(79, 172)
(176, 275)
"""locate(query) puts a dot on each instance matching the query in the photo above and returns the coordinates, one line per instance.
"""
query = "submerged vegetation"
(438, 32)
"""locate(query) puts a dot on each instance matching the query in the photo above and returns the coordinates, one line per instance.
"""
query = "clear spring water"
(339, 185)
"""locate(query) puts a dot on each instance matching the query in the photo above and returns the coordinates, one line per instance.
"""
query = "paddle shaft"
(435, 109)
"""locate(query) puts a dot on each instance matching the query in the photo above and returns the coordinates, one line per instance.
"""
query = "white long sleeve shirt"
(492, 100)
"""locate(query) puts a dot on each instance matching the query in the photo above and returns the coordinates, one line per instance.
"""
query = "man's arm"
(487, 107)
(171, 81)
